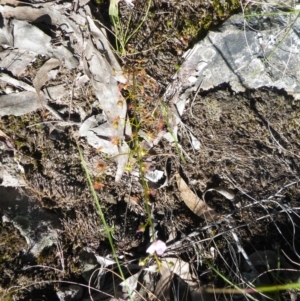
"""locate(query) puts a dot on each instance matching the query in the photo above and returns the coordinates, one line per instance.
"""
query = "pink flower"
(158, 246)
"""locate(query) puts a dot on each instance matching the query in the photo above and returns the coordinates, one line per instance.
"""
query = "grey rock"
(71, 293)
(88, 264)
(260, 51)
(38, 226)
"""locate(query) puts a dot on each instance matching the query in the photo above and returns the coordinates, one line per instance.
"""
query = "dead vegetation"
(249, 148)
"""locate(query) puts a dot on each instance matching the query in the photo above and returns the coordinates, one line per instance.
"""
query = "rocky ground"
(249, 146)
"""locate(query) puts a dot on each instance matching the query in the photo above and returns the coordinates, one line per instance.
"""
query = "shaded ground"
(249, 143)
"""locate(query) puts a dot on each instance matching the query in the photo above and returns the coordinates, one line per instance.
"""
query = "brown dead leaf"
(198, 206)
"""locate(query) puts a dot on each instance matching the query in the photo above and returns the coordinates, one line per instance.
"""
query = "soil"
(249, 143)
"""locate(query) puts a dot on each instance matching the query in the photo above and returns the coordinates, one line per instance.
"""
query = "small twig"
(43, 267)
(59, 122)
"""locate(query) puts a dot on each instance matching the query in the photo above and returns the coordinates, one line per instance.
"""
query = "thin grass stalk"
(101, 214)
(140, 24)
(122, 37)
(237, 289)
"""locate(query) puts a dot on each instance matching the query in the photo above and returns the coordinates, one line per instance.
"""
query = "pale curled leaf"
(198, 206)
(15, 82)
(121, 160)
(101, 42)
(102, 144)
(16, 61)
(10, 2)
(106, 88)
(113, 104)
(42, 75)
(21, 103)
(29, 37)
(182, 269)
(105, 138)
(90, 123)
(104, 261)
(227, 193)
(130, 284)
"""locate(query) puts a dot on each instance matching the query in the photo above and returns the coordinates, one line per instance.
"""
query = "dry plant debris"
(61, 82)
(90, 53)
(198, 206)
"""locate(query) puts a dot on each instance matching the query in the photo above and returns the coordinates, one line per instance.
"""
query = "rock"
(246, 53)
(11, 170)
(71, 293)
(37, 225)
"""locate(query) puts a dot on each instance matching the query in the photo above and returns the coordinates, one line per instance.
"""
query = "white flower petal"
(158, 246)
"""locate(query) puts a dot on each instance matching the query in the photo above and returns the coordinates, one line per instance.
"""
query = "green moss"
(6, 297)
(47, 256)
(224, 9)
(10, 243)
(169, 23)
(195, 27)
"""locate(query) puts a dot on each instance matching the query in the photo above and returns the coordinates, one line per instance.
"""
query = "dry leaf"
(15, 82)
(162, 290)
(198, 206)
(227, 193)
(186, 281)
(122, 160)
(8, 141)
(18, 104)
(28, 41)
(10, 2)
(42, 75)
(15, 60)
